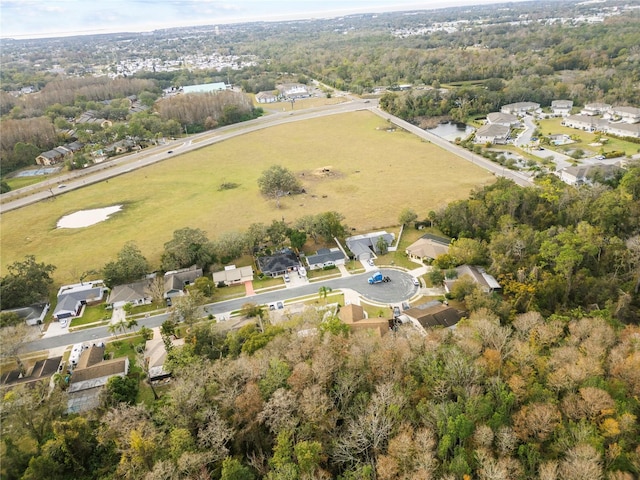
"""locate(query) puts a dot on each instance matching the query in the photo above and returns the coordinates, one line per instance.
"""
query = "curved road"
(400, 288)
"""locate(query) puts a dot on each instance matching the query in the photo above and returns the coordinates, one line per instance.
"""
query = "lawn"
(399, 257)
(92, 314)
(18, 182)
(372, 174)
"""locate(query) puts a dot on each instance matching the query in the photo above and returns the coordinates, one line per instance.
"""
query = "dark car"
(170, 151)
(169, 303)
(396, 311)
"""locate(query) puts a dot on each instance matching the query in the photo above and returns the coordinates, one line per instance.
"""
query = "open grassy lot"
(372, 174)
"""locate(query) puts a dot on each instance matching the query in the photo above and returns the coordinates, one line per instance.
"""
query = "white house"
(490, 133)
(623, 129)
(585, 174)
(595, 108)
(626, 114)
(506, 119)
(583, 122)
(206, 88)
(520, 108)
(561, 108)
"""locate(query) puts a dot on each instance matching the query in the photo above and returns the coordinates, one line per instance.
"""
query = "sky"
(55, 18)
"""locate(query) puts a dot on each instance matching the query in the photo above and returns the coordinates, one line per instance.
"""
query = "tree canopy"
(130, 266)
(278, 181)
(26, 282)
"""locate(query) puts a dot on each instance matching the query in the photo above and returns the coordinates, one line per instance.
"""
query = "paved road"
(399, 289)
(498, 170)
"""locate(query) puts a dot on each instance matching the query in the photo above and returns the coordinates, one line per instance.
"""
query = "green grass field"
(373, 174)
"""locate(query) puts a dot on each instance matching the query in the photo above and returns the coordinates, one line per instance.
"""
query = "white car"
(416, 282)
(370, 262)
(286, 277)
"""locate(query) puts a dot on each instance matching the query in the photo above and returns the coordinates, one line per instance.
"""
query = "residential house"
(266, 97)
(32, 315)
(176, 281)
(279, 263)
(595, 108)
(42, 371)
(326, 257)
(490, 133)
(433, 314)
(155, 356)
(206, 88)
(137, 293)
(50, 157)
(427, 248)
(584, 122)
(71, 300)
(561, 108)
(506, 119)
(353, 316)
(233, 276)
(623, 129)
(90, 375)
(364, 246)
(520, 108)
(626, 114)
(486, 282)
(588, 174)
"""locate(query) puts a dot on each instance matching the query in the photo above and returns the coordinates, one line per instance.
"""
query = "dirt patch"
(322, 173)
(431, 122)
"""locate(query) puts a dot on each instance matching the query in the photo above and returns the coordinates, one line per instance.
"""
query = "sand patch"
(86, 218)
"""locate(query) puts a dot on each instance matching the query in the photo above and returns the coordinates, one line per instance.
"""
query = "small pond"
(450, 131)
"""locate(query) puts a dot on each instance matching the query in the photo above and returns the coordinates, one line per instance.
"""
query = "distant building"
(206, 88)
(520, 108)
(626, 114)
(70, 302)
(561, 108)
(595, 109)
(293, 90)
(266, 97)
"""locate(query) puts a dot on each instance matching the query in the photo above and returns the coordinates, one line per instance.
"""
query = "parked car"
(286, 277)
(169, 302)
(370, 262)
(416, 282)
(280, 305)
(396, 311)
